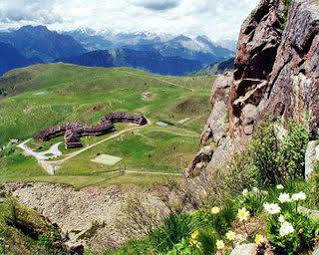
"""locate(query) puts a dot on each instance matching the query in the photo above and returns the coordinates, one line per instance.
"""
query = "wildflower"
(284, 198)
(272, 208)
(195, 243)
(220, 244)
(281, 219)
(286, 229)
(264, 192)
(243, 214)
(230, 235)
(299, 196)
(215, 210)
(196, 234)
(280, 187)
(259, 239)
(255, 190)
(245, 192)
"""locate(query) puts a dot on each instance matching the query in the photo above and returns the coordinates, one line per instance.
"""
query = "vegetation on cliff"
(267, 209)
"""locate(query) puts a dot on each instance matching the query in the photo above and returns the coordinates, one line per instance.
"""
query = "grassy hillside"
(41, 96)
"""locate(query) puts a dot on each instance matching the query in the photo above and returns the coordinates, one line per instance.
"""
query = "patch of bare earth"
(88, 216)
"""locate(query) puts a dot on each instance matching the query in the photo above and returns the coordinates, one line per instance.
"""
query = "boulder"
(247, 249)
(74, 248)
(311, 158)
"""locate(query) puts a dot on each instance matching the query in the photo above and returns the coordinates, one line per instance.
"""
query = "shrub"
(174, 229)
(272, 159)
(253, 201)
(262, 155)
(291, 154)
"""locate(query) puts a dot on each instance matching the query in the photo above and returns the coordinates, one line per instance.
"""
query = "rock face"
(276, 75)
(73, 132)
(215, 135)
(257, 48)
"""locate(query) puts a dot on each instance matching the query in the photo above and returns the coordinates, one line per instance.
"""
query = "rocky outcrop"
(214, 138)
(258, 43)
(90, 216)
(311, 158)
(276, 75)
(73, 132)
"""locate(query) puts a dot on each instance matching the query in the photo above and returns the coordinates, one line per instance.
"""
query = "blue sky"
(218, 19)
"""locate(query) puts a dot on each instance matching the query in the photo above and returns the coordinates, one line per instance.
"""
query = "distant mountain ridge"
(11, 58)
(157, 53)
(200, 49)
(40, 43)
(150, 61)
(219, 68)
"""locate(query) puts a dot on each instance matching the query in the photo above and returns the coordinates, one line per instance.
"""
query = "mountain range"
(157, 53)
(11, 58)
(150, 61)
(42, 44)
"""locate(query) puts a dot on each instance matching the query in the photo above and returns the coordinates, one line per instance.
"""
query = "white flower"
(215, 210)
(243, 214)
(230, 235)
(284, 198)
(255, 190)
(280, 187)
(272, 208)
(286, 229)
(245, 192)
(299, 196)
(264, 192)
(281, 219)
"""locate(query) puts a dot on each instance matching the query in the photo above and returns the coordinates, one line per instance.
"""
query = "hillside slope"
(42, 96)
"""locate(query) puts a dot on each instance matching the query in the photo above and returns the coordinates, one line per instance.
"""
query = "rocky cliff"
(276, 75)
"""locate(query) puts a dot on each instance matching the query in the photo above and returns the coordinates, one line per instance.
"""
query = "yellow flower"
(195, 235)
(215, 210)
(243, 214)
(196, 244)
(231, 236)
(220, 244)
(259, 239)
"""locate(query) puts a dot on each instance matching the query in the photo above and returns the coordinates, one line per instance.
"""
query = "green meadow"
(41, 96)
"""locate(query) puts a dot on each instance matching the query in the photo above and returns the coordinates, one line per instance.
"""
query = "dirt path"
(146, 173)
(158, 79)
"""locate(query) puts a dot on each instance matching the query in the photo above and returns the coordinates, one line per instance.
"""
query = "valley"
(48, 95)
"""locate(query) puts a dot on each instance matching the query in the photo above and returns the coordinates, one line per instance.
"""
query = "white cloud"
(219, 19)
(157, 5)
